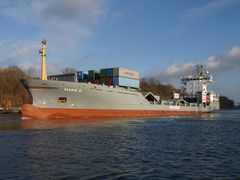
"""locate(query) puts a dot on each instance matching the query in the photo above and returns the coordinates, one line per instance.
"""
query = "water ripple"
(181, 147)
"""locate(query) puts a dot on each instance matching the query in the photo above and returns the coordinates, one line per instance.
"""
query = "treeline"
(12, 92)
(226, 103)
(157, 88)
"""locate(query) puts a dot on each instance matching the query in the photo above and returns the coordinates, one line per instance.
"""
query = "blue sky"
(161, 39)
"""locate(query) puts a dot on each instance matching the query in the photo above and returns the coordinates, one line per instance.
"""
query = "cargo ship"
(113, 92)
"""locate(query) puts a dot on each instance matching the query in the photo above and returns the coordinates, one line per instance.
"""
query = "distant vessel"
(112, 92)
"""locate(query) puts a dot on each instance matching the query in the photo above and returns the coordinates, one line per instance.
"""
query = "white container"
(126, 73)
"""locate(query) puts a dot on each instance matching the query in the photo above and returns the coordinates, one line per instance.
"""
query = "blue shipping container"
(126, 82)
(82, 75)
(85, 76)
(110, 72)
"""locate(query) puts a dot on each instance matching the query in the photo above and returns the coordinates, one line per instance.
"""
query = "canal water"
(177, 147)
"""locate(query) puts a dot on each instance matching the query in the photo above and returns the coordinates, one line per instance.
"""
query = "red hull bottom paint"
(31, 112)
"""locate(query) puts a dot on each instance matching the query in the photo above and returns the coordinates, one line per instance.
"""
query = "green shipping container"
(90, 74)
(103, 73)
(93, 74)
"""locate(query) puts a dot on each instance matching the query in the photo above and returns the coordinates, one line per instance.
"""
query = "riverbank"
(13, 110)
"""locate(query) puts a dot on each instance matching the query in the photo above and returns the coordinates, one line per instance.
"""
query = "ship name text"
(72, 90)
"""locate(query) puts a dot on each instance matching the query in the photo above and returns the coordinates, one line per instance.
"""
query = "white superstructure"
(196, 85)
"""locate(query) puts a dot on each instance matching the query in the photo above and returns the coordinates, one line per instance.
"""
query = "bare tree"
(12, 93)
(69, 70)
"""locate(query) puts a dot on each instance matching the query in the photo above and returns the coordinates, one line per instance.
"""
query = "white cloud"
(63, 22)
(25, 54)
(234, 52)
(12, 52)
(207, 9)
(224, 62)
(81, 10)
(55, 11)
(119, 13)
(175, 68)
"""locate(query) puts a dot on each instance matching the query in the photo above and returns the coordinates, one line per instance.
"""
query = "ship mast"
(43, 54)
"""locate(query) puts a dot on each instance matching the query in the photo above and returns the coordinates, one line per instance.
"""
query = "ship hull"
(31, 112)
(91, 100)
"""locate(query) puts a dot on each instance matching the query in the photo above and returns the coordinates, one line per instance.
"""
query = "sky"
(159, 38)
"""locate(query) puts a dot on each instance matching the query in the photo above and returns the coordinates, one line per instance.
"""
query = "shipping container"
(126, 82)
(93, 74)
(106, 72)
(103, 73)
(64, 77)
(82, 75)
(126, 73)
(96, 81)
(110, 72)
(109, 81)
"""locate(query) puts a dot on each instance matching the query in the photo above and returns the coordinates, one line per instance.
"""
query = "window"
(62, 100)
